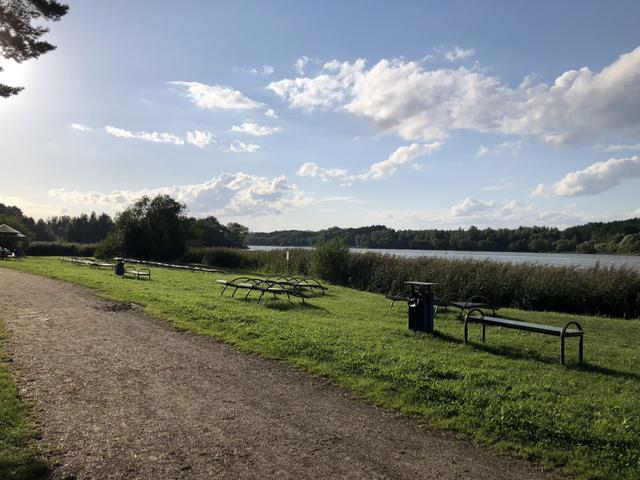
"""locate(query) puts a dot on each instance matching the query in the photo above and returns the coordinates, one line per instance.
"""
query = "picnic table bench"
(263, 286)
(477, 316)
(140, 272)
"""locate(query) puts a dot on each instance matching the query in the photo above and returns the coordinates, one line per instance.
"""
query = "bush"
(110, 247)
(48, 249)
(331, 261)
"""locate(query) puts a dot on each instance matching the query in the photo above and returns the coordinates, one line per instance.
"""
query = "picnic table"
(263, 285)
(98, 265)
(473, 303)
(304, 283)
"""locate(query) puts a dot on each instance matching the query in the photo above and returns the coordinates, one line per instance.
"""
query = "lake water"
(558, 259)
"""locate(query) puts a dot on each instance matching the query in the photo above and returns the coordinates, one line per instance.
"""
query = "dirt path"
(119, 395)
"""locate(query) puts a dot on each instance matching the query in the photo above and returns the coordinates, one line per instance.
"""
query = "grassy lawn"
(511, 393)
(19, 456)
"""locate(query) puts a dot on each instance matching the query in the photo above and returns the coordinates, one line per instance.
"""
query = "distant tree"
(237, 233)
(19, 39)
(565, 245)
(43, 232)
(153, 229)
(630, 243)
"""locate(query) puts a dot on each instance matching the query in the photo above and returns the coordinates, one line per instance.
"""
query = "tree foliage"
(152, 229)
(589, 238)
(20, 38)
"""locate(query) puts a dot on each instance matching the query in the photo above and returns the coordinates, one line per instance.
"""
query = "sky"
(306, 115)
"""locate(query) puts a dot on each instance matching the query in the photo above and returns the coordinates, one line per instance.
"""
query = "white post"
(287, 262)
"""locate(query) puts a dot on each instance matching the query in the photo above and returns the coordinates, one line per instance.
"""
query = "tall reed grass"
(605, 291)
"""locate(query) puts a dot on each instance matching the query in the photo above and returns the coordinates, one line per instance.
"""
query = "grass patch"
(19, 455)
(511, 393)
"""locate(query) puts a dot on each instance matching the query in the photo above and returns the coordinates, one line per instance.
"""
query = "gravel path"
(118, 395)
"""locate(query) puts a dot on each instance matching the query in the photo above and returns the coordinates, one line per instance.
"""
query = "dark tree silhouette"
(19, 39)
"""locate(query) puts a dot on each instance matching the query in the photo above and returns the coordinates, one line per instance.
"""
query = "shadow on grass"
(589, 367)
(33, 469)
(284, 306)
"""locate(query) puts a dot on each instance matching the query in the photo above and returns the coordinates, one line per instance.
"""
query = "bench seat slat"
(530, 327)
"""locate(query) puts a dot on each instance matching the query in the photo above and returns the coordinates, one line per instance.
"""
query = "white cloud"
(302, 62)
(328, 90)
(271, 113)
(509, 214)
(470, 206)
(622, 148)
(596, 178)
(311, 169)
(458, 53)
(513, 147)
(502, 184)
(399, 157)
(200, 139)
(228, 194)
(81, 127)
(217, 97)
(254, 129)
(540, 191)
(157, 137)
(242, 147)
(266, 70)
(418, 104)
(482, 151)
(376, 171)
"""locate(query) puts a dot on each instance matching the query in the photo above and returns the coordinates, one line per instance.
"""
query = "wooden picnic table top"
(469, 305)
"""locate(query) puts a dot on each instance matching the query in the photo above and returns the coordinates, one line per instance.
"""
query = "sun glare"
(13, 74)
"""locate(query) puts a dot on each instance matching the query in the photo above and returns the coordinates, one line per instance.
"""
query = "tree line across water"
(622, 236)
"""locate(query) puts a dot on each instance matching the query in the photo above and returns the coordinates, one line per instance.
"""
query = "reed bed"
(597, 290)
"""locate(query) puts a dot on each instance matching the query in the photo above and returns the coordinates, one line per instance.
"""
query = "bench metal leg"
(466, 332)
(581, 344)
(390, 307)
(581, 348)
(484, 327)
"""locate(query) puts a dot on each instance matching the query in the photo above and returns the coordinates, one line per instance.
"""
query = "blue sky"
(312, 114)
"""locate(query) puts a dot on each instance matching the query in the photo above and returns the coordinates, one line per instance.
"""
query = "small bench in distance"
(139, 273)
(562, 332)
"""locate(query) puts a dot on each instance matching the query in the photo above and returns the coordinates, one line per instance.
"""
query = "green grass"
(19, 455)
(511, 393)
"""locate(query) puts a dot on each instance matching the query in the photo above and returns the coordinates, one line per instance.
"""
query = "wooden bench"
(141, 272)
(477, 316)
